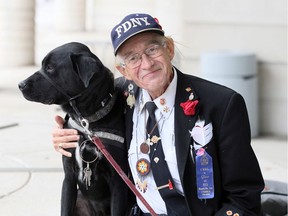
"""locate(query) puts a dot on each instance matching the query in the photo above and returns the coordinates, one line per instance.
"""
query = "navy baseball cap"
(131, 25)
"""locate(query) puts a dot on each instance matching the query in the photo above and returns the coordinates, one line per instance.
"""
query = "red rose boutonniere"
(189, 107)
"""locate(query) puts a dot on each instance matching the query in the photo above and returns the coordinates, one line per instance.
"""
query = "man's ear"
(85, 66)
(123, 71)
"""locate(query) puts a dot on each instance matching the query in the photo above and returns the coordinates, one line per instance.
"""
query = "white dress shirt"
(165, 117)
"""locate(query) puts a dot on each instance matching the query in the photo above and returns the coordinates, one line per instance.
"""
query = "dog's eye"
(49, 68)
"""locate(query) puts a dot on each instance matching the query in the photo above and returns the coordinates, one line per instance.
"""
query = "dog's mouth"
(48, 102)
(33, 95)
(38, 99)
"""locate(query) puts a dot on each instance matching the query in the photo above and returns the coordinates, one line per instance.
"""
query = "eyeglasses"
(134, 60)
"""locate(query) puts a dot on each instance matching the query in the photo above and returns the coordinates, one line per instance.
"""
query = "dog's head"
(66, 71)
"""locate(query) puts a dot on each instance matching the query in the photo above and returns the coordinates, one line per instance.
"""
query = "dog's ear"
(85, 66)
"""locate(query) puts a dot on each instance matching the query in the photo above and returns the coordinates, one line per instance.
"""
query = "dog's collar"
(106, 108)
(101, 134)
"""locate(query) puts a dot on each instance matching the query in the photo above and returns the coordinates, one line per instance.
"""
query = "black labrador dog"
(74, 78)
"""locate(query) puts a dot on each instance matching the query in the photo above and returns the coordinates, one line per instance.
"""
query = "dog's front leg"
(69, 187)
(119, 196)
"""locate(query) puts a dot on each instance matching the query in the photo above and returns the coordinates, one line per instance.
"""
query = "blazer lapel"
(183, 123)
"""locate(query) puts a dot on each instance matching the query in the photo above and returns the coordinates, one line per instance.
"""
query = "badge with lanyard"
(204, 175)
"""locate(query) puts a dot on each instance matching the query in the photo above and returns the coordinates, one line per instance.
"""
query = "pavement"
(31, 171)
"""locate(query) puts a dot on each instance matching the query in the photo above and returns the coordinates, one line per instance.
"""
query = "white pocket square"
(201, 134)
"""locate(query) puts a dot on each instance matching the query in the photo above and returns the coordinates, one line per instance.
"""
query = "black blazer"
(238, 180)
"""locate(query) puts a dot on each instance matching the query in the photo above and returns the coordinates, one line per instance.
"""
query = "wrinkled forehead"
(139, 42)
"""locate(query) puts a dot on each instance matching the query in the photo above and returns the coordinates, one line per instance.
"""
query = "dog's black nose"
(21, 85)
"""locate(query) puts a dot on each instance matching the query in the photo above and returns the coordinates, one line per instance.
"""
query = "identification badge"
(204, 174)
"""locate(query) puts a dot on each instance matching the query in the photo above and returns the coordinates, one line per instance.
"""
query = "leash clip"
(85, 124)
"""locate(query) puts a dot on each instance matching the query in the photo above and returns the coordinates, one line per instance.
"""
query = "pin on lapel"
(156, 159)
(166, 109)
(162, 101)
(191, 96)
(155, 139)
(131, 98)
(188, 89)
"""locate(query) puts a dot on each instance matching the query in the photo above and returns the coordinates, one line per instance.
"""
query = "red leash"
(108, 156)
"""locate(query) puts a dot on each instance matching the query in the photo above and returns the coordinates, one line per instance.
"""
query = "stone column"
(69, 15)
(17, 32)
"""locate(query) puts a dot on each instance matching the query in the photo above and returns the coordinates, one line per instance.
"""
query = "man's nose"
(146, 61)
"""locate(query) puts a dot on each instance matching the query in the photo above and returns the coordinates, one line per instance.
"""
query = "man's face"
(147, 61)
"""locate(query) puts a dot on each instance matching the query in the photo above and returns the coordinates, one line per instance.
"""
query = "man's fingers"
(64, 138)
(60, 147)
(64, 132)
(60, 121)
(68, 145)
(64, 152)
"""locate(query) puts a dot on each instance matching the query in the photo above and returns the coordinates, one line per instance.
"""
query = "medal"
(145, 148)
(143, 167)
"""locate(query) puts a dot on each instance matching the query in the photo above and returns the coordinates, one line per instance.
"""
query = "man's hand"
(64, 138)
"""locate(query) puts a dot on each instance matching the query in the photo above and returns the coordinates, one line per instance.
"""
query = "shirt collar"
(165, 102)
